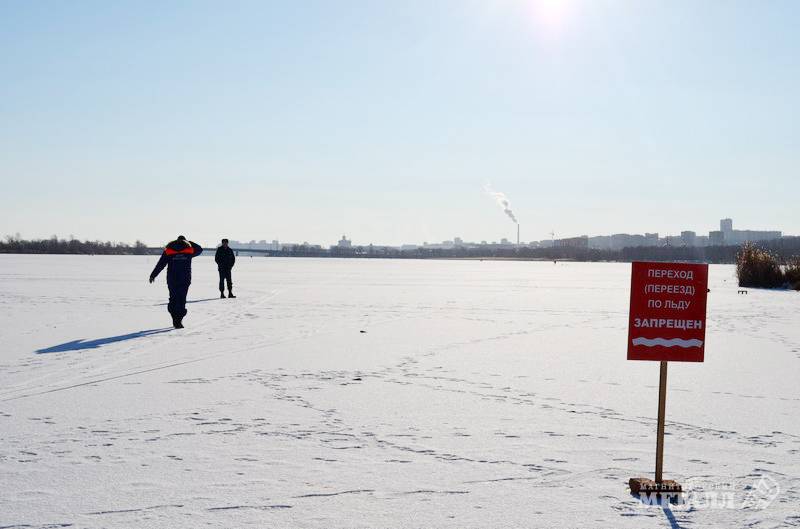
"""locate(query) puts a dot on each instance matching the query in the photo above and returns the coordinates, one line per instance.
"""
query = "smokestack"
(517, 234)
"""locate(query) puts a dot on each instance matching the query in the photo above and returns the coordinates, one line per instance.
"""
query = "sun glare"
(553, 15)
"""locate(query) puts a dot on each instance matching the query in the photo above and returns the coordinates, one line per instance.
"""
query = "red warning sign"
(668, 312)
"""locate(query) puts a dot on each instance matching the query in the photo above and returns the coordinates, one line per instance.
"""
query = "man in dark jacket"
(225, 259)
(177, 257)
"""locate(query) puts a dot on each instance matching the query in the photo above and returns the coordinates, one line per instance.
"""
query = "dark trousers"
(177, 299)
(225, 276)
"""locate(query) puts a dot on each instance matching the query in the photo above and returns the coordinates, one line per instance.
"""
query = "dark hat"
(181, 238)
(225, 241)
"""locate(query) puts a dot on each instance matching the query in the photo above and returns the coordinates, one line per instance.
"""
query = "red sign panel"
(668, 312)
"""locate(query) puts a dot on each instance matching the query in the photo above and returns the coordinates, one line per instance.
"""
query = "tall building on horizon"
(726, 227)
(344, 242)
(729, 236)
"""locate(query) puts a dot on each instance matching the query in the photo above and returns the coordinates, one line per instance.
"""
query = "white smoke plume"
(502, 201)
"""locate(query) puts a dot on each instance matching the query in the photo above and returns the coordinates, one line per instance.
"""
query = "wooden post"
(662, 405)
(667, 487)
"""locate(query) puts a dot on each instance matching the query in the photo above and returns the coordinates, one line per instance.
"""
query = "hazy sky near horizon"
(300, 121)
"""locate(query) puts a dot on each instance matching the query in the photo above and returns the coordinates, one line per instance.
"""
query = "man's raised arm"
(160, 265)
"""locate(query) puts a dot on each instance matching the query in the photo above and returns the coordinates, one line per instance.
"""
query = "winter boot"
(230, 294)
(221, 294)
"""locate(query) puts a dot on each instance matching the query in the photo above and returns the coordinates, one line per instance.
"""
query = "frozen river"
(381, 394)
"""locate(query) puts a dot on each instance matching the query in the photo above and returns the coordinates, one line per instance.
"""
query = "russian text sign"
(668, 312)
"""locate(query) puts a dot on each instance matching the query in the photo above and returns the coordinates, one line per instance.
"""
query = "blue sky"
(300, 121)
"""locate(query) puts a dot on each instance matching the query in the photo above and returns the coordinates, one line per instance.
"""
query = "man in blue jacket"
(177, 257)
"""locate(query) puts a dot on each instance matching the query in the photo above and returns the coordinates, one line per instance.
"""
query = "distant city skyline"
(504, 239)
(386, 120)
(726, 235)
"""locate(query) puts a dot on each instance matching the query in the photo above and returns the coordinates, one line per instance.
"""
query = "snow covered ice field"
(482, 394)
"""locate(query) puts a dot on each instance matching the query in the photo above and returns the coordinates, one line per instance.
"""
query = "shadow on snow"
(77, 345)
(193, 301)
(664, 503)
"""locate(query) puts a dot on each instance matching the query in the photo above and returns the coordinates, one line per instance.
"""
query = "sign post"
(662, 409)
(667, 323)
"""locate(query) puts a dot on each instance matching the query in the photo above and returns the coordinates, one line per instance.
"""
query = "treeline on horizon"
(54, 245)
(784, 250)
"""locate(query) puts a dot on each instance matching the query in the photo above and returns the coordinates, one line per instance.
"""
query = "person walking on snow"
(177, 257)
(225, 259)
